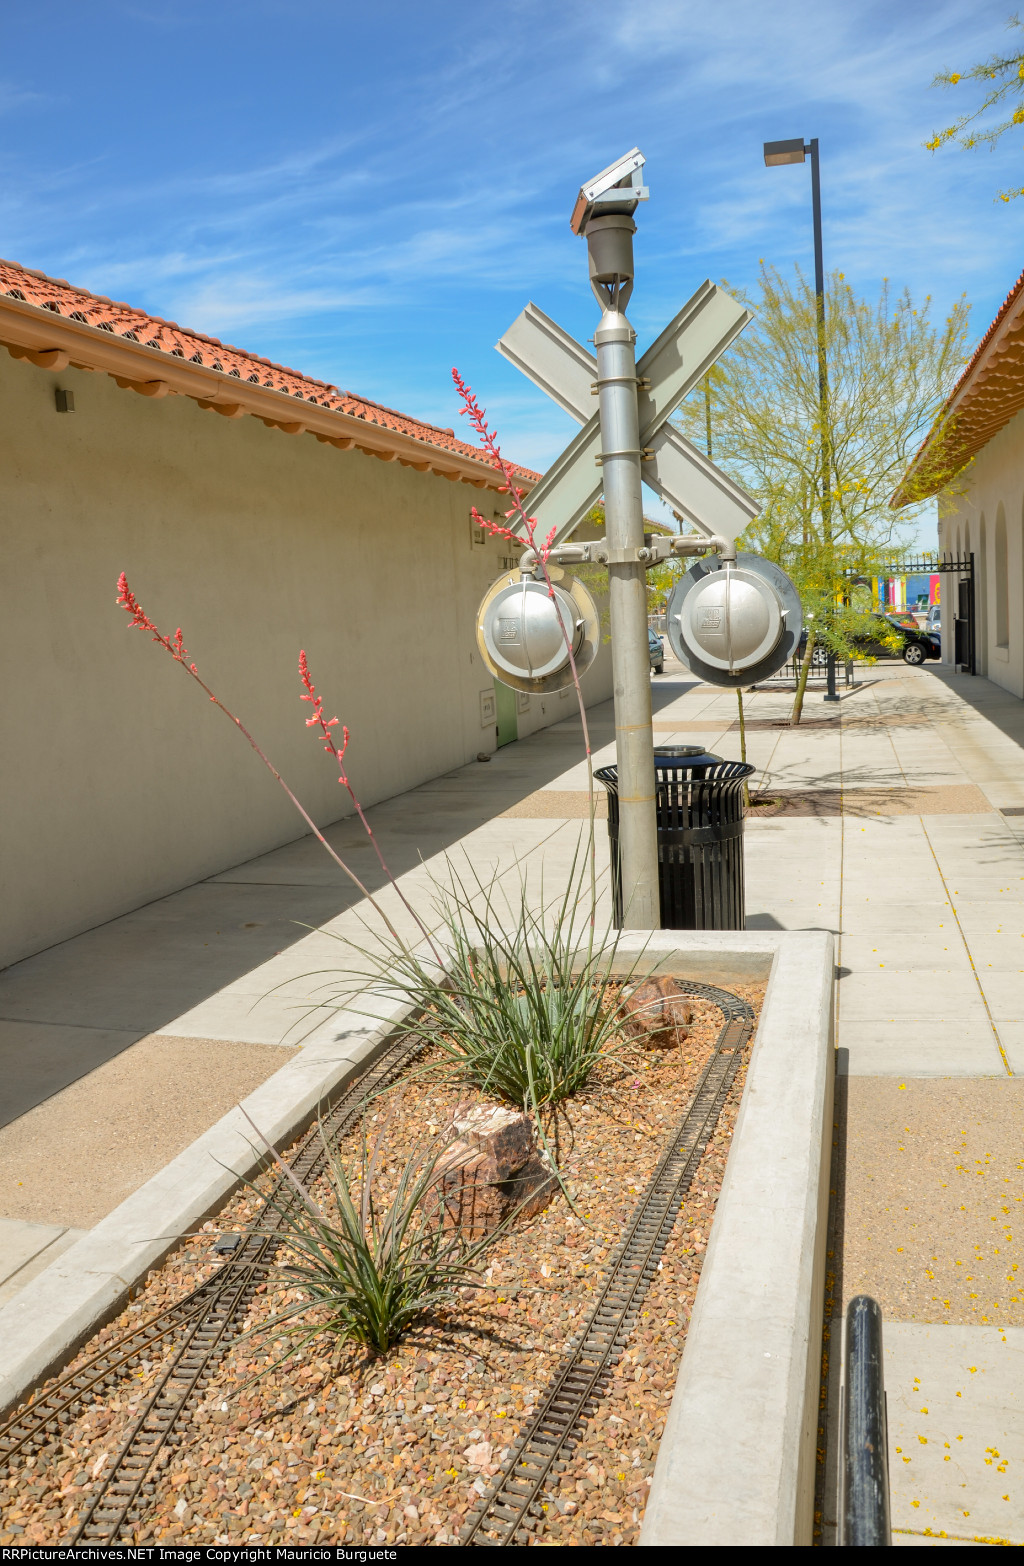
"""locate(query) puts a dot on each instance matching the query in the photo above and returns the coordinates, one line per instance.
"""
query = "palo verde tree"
(1004, 76)
(824, 456)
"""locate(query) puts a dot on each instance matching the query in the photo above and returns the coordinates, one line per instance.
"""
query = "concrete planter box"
(737, 1461)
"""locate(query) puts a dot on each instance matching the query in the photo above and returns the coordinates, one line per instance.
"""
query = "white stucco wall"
(989, 492)
(120, 782)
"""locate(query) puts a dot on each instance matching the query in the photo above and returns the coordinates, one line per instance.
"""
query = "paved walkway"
(118, 1048)
(913, 856)
(901, 830)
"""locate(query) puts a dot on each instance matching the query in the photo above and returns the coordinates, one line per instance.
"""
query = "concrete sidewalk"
(916, 863)
(122, 1046)
(901, 832)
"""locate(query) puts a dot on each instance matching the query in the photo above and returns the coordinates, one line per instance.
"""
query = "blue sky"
(371, 192)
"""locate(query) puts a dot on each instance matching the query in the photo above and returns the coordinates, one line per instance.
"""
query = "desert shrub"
(369, 1263)
(521, 1008)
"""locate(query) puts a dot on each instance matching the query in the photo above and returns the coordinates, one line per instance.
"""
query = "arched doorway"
(982, 597)
(1001, 584)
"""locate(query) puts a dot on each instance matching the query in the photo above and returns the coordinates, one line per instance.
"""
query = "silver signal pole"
(604, 216)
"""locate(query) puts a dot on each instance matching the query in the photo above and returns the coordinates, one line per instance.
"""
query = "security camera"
(617, 188)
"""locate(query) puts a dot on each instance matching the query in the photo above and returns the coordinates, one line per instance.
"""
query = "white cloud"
(379, 235)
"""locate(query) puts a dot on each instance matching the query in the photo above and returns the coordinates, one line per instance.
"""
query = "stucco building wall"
(983, 513)
(120, 782)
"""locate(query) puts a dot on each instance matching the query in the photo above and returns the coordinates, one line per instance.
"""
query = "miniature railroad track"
(125, 1492)
(512, 1509)
(203, 1323)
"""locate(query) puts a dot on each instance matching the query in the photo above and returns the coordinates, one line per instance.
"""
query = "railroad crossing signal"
(626, 442)
(676, 470)
(733, 623)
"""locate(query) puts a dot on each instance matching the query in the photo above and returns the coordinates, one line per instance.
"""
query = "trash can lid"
(684, 756)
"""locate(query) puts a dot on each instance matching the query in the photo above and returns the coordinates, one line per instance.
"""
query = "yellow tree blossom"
(1005, 73)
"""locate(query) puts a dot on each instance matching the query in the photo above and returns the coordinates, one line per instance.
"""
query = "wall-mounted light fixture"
(65, 401)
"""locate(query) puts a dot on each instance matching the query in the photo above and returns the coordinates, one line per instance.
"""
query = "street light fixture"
(777, 153)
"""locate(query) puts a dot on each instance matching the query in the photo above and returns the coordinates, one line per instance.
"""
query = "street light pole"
(776, 153)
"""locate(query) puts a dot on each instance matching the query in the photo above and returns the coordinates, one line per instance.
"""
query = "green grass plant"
(520, 1009)
(370, 1265)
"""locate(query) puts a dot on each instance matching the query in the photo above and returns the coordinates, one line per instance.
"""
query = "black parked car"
(917, 645)
(656, 651)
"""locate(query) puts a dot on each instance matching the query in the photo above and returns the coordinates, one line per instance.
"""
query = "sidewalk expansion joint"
(970, 956)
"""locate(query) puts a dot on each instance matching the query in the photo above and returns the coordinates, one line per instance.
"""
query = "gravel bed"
(340, 1447)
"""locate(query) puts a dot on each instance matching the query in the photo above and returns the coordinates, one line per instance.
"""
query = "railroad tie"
(197, 1329)
(511, 1510)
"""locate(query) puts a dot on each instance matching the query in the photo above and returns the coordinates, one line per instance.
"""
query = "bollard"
(864, 1458)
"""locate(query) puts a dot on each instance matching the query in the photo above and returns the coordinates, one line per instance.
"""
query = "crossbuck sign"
(671, 466)
(626, 442)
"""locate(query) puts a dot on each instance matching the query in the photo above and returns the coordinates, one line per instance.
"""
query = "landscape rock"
(657, 1013)
(493, 1169)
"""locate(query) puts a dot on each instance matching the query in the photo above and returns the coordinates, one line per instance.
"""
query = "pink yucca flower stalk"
(176, 647)
(326, 725)
(477, 416)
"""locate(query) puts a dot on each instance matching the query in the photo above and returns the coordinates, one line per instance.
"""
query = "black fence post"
(830, 670)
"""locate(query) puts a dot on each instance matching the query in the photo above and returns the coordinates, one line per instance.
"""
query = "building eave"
(54, 342)
(989, 393)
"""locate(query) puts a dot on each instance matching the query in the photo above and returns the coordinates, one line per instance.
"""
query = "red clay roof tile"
(974, 411)
(64, 298)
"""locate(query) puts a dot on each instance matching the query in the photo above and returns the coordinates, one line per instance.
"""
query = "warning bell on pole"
(524, 633)
(734, 623)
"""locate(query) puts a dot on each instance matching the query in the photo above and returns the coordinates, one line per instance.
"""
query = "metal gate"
(961, 569)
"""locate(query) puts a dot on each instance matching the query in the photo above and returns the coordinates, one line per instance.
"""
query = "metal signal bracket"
(656, 548)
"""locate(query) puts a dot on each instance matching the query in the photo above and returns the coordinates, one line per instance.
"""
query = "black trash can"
(699, 802)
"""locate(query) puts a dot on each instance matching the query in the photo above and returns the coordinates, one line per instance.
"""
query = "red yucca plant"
(527, 528)
(372, 1262)
(376, 1271)
(176, 647)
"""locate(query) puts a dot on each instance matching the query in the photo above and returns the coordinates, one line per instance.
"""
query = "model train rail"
(201, 1326)
(125, 1492)
(203, 1320)
(512, 1508)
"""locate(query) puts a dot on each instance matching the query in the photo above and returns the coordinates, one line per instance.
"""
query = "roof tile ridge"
(382, 407)
(983, 342)
(438, 429)
(173, 326)
(242, 353)
(32, 271)
(423, 424)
